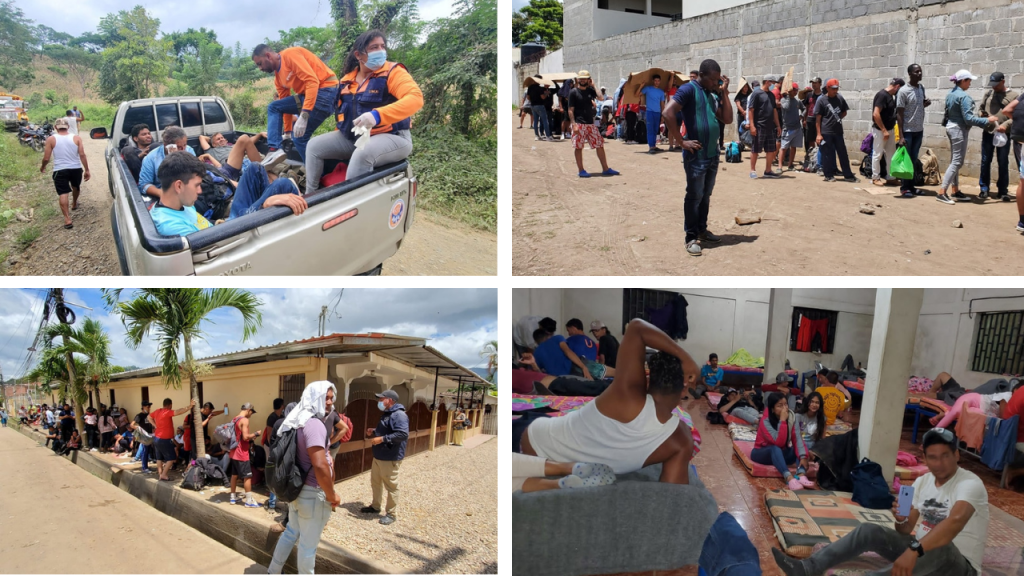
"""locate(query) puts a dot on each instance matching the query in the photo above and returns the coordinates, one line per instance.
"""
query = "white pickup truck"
(350, 228)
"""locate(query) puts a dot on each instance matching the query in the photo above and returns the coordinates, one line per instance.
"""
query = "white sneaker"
(273, 158)
(753, 175)
(93, 450)
(233, 499)
(693, 248)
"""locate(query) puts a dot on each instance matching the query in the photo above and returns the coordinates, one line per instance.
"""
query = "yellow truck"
(13, 110)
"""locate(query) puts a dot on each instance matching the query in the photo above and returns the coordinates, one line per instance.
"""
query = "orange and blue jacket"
(390, 93)
(302, 72)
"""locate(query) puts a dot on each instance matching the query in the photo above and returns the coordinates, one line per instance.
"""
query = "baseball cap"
(996, 78)
(730, 391)
(248, 406)
(388, 394)
(597, 325)
(782, 378)
(816, 79)
(795, 86)
(962, 75)
(832, 82)
(147, 403)
(769, 78)
(583, 74)
(60, 123)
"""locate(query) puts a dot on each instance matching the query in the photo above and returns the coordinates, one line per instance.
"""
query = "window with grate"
(813, 330)
(640, 302)
(998, 347)
(145, 393)
(291, 387)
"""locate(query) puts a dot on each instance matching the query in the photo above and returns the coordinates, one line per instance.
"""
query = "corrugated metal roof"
(428, 357)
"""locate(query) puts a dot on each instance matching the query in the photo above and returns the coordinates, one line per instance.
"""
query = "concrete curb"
(242, 534)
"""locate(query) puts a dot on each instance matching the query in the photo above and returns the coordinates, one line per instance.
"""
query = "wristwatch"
(916, 547)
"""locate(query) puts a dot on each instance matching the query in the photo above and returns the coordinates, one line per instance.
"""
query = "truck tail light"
(415, 187)
(339, 219)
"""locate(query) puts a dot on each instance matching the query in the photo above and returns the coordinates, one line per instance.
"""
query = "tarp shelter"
(549, 79)
(637, 80)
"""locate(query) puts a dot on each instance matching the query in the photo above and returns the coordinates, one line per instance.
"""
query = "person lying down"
(630, 425)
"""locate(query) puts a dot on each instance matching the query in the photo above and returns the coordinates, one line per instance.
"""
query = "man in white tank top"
(630, 425)
(69, 166)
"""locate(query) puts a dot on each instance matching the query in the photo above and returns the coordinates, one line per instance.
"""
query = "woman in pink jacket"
(778, 443)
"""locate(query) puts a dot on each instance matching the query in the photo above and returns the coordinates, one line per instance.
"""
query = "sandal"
(69, 226)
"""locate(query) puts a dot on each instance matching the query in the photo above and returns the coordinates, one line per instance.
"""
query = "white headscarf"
(313, 404)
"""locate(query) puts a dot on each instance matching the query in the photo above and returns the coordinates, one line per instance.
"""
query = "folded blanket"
(919, 384)
(743, 358)
(742, 432)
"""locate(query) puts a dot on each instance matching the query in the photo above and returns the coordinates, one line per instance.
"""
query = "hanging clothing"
(813, 335)
(999, 447)
(671, 318)
(970, 428)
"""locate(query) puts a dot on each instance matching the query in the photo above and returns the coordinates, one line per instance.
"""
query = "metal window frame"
(833, 316)
(284, 379)
(998, 342)
(636, 302)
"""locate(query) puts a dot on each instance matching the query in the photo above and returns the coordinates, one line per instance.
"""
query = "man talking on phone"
(174, 140)
(706, 109)
(949, 511)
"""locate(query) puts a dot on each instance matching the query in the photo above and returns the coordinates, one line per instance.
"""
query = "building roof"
(407, 349)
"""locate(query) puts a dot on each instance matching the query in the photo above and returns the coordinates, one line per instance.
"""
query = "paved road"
(54, 516)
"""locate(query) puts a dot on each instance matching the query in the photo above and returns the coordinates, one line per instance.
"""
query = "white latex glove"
(299, 128)
(363, 134)
(366, 120)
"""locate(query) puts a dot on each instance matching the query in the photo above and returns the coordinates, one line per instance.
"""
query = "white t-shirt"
(49, 416)
(72, 125)
(990, 403)
(934, 504)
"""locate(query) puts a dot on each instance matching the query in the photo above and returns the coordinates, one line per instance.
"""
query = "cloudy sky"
(458, 322)
(246, 22)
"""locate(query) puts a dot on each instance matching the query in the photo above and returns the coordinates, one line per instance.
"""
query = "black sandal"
(69, 226)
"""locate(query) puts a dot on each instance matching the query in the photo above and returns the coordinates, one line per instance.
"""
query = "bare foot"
(933, 420)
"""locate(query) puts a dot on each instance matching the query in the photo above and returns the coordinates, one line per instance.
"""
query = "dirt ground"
(632, 224)
(435, 245)
(54, 513)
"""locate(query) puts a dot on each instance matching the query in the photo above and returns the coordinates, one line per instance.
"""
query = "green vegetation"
(456, 175)
(539, 21)
(28, 236)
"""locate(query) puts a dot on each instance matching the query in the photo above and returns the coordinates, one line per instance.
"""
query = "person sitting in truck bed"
(136, 149)
(181, 177)
(377, 95)
(230, 159)
(149, 182)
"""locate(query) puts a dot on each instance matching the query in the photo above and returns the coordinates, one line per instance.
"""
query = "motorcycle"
(35, 136)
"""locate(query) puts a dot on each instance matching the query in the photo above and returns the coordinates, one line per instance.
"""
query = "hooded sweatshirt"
(394, 429)
(782, 436)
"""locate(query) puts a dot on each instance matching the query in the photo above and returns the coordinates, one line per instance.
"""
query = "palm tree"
(490, 351)
(176, 316)
(89, 350)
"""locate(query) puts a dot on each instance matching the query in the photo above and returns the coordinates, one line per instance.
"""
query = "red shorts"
(589, 134)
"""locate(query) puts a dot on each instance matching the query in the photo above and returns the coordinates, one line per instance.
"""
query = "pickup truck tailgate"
(348, 234)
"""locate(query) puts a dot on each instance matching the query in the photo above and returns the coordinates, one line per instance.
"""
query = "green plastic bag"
(902, 166)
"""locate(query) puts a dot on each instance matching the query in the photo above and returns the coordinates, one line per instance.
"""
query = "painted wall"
(551, 63)
(614, 22)
(693, 8)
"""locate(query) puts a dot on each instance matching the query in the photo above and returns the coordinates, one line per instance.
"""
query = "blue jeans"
(144, 456)
(914, 140)
(653, 125)
(1002, 157)
(307, 516)
(326, 100)
(254, 188)
(700, 182)
(540, 116)
(272, 502)
(781, 458)
(728, 551)
(832, 145)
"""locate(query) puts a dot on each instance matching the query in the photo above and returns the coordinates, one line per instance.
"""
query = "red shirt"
(164, 419)
(522, 380)
(241, 451)
(1015, 407)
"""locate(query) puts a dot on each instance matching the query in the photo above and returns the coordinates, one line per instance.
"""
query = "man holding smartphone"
(174, 140)
(949, 512)
(706, 109)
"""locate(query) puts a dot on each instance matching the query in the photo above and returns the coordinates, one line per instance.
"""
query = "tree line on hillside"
(129, 57)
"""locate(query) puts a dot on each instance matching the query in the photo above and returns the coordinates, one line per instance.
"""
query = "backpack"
(869, 487)
(930, 167)
(811, 160)
(225, 435)
(865, 166)
(284, 476)
(257, 456)
(715, 418)
(1017, 128)
(868, 143)
(214, 202)
(348, 422)
(142, 436)
(195, 478)
(732, 153)
(212, 471)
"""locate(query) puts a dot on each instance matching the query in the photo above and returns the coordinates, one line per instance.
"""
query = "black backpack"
(214, 202)
(1017, 129)
(257, 456)
(195, 478)
(869, 487)
(284, 476)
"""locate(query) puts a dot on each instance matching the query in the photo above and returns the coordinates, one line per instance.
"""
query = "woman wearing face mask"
(377, 95)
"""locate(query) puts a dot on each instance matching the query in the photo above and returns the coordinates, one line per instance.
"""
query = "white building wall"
(693, 8)
(551, 63)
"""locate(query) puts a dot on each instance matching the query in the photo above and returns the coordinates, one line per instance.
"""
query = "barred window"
(640, 302)
(997, 349)
(813, 330)
(291, 387)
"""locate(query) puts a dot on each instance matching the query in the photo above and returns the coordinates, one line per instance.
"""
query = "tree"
(135, 60)
(81, 63)
(17, 41)
(490, 352)
(176, 315)
(189, 42)
(200, 72)
(46, 36)
(544, 21)
(318, 40)
(239, 69)
(86, 350)
(519, 22)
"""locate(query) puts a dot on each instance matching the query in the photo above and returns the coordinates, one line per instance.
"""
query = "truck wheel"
(374, 272)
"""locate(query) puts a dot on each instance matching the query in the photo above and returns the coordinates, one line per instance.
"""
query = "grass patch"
(458, 176)
(28, 236)
(17, 163)
(95, 114)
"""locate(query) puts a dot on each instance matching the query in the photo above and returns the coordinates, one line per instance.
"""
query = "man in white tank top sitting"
(630, 425)
(69, 166)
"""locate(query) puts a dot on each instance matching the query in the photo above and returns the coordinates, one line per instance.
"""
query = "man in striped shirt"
(706, 109)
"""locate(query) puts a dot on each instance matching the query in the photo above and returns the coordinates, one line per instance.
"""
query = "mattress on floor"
(730, 419)
(838, 427)
(854, 385)
(562, 405)
(742, 450)
(806, 518)
(935, 405)
(742, 432)
(713, 398)
(911, 472)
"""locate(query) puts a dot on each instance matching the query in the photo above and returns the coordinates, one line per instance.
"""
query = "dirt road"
(53, 511)
(633, 224)
(435, 246)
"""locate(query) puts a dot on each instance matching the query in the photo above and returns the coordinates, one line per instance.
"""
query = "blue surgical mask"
(381, 406)
(374, 60)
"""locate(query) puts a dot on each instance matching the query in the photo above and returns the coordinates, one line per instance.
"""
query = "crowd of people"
(775, 121)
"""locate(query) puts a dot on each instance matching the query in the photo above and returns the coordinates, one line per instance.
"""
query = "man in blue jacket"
(388, 441)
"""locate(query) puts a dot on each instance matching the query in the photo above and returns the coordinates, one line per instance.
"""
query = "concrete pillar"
(433, 429)
(648, 9)
(885, 387)
(448, 430)
(780, 316)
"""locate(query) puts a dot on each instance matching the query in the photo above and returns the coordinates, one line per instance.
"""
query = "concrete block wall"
(862, 43)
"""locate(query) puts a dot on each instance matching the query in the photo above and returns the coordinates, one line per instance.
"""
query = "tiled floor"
(743, 496)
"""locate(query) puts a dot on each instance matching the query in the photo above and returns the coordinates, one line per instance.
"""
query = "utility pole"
(323, 320)
(3, 391)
